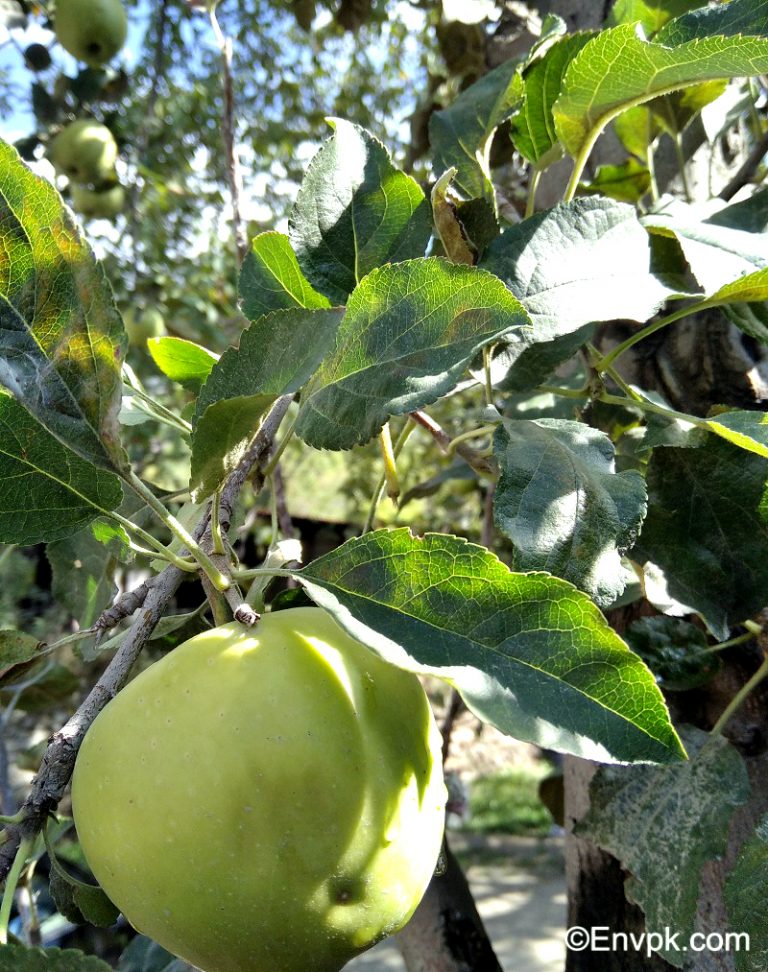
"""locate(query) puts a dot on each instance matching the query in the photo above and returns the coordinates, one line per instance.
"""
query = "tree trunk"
(446, 933)
(698, 363)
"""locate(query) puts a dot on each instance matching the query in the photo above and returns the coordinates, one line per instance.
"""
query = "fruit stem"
(158, 411)
(378, 493)
(391, 478)
(471, 434)
(12, 881)
(219, 581)
(732, 642)
(740, 697)
(159, 549)
(488, 383)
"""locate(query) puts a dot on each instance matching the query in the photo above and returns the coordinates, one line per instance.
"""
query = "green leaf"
(747, 430)
(531, 364)
(83, 569)
(718, 252)
(750, 318)
(81, 903)
(707, 528)
(627, 182)
(19, 958)
(461, 135)
(675, 651)
(727, 19)
(602, 270)
(619, 69)
(637, 130)
(181, 360)
(355, 211)
(271, 279)
(651, 14)
(144, 955)
(677, 110)
(61, 337)
(563, 505)
(533, 127)
(409, 332)
(750, 288)
(50, 690)
(16, 648)
(744, 894)
(221, 438)
(278, 353)
(664, 823)
(529, 653)
(48, 491)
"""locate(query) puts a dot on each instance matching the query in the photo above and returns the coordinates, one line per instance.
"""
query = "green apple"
(91, 30)
(85, 151)
(141, 327)
(266, 799)
(98, 204)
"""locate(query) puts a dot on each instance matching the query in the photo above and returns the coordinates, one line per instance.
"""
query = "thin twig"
(480, 463)
(228, 134)
(146, 129)
(55, 771)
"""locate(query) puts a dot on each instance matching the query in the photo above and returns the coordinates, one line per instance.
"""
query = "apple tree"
(532, 337)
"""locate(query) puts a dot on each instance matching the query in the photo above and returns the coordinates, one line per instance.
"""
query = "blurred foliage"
(293, 66)
(509, 803)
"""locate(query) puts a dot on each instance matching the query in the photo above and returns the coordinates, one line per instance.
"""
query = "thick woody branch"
(58, 762)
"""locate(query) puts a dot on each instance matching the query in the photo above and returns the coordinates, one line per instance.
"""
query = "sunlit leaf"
(580, 262)
(619, 68)
(355, 211)
(529, 653)
(271, 279)
(409, 332)
(533, 127)
(61, 338)
(562, 504)
(181, 360)
(460, 135)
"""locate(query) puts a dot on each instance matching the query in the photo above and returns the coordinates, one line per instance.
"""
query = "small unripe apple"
(266, 799)
(91, 30)
(98, 204)
(143, 326)
(85, 151)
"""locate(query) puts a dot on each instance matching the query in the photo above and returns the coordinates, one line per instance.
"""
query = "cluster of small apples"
(85, 151)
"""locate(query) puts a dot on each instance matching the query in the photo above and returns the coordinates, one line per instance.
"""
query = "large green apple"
(91, 30)
(85, 151)
(264, 800)
(98, 203)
